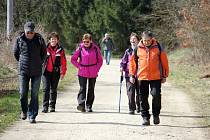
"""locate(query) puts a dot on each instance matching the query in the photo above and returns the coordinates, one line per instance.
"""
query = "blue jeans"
(33, 107)
(107, 56)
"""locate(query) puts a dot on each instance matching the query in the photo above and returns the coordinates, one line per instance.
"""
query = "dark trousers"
(132, 90)
(33, 106)
(50, 84)
(155, 87)
(82, 100)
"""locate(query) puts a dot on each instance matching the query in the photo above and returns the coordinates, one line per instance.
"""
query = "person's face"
(53, 41)
(147, 41)
(133, 40)
(86, 42)
(29, 34)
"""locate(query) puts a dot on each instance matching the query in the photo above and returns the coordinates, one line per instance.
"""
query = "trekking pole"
(121, 80)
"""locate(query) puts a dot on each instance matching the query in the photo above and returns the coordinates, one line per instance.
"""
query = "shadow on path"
(125, 124)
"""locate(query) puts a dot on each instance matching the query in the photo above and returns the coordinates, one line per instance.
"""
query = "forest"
(174, 23)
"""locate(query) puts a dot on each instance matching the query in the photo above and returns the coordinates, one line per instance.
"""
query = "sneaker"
(80, 108)
(89, 110)
(131, 112)
(156, 120)
(52, 109)
(23, 116)
(146, 121)
(32, 120)
(45, 110)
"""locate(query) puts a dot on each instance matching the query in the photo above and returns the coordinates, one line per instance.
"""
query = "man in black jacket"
(30, 52)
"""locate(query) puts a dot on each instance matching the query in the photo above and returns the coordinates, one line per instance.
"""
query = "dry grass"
(186, 74)
(8, 64)
(194, 29)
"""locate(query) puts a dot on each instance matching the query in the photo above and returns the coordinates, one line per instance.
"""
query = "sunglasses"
(30, 32)
(86, 42)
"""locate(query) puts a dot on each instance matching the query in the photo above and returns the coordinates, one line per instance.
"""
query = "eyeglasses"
(86, 42)
(29, 32)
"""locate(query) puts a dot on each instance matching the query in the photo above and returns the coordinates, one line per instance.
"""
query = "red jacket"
(55, 57)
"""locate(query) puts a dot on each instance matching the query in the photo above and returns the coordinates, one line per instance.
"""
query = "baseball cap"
(29, 26)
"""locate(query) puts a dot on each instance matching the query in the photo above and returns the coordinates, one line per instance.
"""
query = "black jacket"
(30, 54)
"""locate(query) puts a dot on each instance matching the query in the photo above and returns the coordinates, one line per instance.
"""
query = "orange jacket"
(152, 63)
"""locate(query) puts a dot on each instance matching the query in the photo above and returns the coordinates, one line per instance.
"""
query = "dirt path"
(178, 120)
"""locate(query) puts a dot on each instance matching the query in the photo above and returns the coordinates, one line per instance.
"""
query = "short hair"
(87, 36)
(136, 35)
(147, 34)
(54, 34)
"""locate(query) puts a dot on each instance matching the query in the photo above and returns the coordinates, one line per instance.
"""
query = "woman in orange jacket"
(151, 65)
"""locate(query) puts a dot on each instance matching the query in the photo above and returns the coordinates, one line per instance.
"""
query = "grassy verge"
(69, 77)
(9, 104)
(185, 74)
(4, 72)
(9, 110)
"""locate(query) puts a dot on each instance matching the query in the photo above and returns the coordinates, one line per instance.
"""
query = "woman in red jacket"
(54, 69)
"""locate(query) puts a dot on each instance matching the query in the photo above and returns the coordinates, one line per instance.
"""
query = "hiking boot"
(52, 109)
(89, 110)
(146, 121)
(131, 112)
(80, 108)
(45, 110)
(32, 120)
(138, 110)
(156, 120)
(23, 116)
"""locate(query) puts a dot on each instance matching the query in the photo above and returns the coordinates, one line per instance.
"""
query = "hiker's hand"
(121, 70)
(62, 76)
(132, 80)
(163, 80)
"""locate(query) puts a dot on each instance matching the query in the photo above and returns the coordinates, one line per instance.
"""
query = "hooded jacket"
(152, 63)
(87, 60)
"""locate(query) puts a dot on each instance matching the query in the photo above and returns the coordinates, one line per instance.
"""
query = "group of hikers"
(144, 65)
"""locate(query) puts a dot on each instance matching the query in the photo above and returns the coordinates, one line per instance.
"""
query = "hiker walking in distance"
(108, 46)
